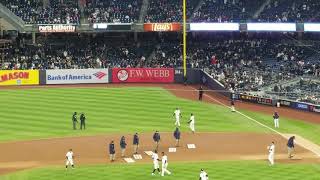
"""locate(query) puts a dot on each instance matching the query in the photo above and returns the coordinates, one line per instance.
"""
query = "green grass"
(245, 170)
(44, 113)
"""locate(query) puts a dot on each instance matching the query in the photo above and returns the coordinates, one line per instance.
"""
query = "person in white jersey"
(191, 123)
(164, 164)
(203, 175)
(155, 159)
(271, 150)
(69, 157)
(177, 114)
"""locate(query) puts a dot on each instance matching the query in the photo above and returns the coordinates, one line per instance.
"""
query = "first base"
(129, 160)
(149, 153)
(137, 156)
(172, 149)
(191, 146)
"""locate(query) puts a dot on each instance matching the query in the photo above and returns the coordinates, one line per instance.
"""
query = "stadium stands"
(291, 11)
(35, 12)
(113, 11)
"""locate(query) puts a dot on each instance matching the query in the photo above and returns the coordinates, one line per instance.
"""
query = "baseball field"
(36, 132)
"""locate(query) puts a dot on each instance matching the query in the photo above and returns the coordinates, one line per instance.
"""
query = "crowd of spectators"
(162, 11)
(36, 12)
(128, 11)
(306, 89)
(226, 10)
(240, 63)
(291, 11)
(113, 11)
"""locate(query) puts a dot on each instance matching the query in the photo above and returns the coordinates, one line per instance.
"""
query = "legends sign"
(162, 27)
(52, 28)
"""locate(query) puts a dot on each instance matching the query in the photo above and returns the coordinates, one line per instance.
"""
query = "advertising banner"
(112, 26)
(161, 27)
(51, 28)
(255, 99)
(154, 75)
(316, 109)
(77, 76)
(19, 77)
(214, 26)
(302, 106)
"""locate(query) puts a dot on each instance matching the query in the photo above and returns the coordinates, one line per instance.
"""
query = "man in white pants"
(276, 119)
(203, 175)
(271, 149)
(69, 157)
(156, 160)
(164, 164)
(177, 114)
(191, 123)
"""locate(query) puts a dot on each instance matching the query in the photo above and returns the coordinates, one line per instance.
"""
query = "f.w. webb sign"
(155, 75)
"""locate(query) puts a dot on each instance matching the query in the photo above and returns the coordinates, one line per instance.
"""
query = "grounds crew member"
(291, 146)
(135, 143)
(123, 146)
(112, 151)
(200, 93)
(74, 120)
(82, 121)
(156, 139)
(176, 135)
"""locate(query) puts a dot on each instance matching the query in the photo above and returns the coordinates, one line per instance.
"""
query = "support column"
(33, 38)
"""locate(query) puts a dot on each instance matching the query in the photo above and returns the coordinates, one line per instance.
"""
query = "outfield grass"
(44, 113)
(244, 170)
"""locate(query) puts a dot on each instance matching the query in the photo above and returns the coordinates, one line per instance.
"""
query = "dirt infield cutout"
(92, 149)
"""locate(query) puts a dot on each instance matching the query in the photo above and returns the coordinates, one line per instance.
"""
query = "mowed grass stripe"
(242, 170)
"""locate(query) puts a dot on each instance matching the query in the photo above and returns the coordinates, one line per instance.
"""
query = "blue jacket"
(156, 137)
(111, 148)
(135, 139)
(123, 143)
(176, 134)
(291, 142)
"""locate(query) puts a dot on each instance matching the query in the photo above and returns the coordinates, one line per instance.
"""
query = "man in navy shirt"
(176, 135)
(290, 146)
(74, 120)
(112, 151)
(135, 143)
(156, 139)
(123, 146)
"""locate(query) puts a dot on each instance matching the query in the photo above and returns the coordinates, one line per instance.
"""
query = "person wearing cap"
(276, 119)
(135, 143)
(156, 139)
(112, 151)
(176, 135)
(123, 146)
(290, 146)
(203, 175)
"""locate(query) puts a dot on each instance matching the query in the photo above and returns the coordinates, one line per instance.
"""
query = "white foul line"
(261, 124)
